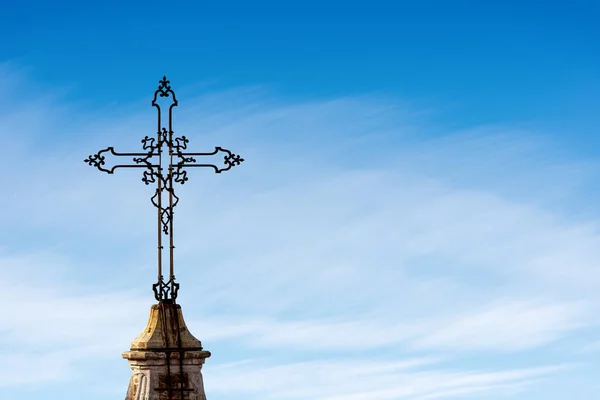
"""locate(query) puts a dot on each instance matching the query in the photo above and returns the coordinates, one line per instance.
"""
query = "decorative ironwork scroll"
(170, 150)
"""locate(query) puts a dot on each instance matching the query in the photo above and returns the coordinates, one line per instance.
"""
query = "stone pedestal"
(157, 360)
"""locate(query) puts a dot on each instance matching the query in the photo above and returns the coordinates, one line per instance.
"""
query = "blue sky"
(417, 217)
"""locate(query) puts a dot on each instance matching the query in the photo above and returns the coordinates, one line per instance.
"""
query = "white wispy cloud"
(507, 326)
(364, 380)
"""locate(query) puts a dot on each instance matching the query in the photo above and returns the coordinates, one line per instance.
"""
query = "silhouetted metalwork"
(151, 160)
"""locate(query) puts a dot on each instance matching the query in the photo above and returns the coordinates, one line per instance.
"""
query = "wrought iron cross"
(156, 148)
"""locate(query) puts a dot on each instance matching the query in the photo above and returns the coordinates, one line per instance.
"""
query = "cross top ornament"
(164, 149)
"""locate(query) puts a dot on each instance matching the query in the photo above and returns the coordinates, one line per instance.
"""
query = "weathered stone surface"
(150, 379)
(153, 336)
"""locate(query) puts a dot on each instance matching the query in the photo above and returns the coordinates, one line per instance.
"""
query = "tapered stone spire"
(166, 359)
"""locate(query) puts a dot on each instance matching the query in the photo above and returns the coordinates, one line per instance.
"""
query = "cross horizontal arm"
(229, 160)
(98, 160)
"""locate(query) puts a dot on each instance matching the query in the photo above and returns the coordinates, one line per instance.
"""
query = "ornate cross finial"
(157, 149)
